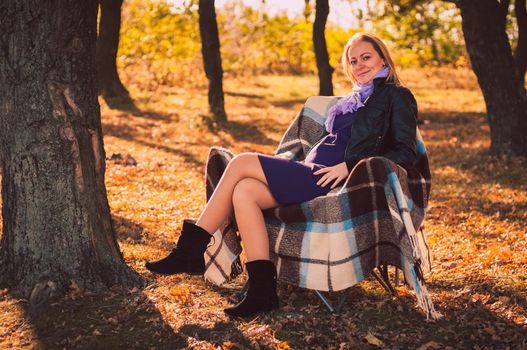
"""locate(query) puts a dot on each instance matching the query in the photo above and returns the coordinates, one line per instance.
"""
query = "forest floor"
(476, 226)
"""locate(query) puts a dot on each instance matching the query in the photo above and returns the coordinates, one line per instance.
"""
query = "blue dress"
(293, 182)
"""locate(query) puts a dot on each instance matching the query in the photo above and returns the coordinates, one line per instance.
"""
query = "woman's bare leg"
(249, 198)
(219, 207)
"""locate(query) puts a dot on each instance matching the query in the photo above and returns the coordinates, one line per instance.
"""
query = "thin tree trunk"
(520, 54)
(210, 49)
(56, 218)
(325, 70)
(492, 60)
(109, 83)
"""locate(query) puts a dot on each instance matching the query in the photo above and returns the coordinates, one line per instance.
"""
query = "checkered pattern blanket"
(333, 242)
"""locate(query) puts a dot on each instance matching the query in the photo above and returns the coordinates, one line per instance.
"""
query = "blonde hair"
(379, 47)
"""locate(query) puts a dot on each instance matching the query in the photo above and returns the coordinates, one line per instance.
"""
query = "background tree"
(423, 32)
(325, 70)
(484, 28)
(520, 54)
(56, 219)
(210, 50)
(484, 25)
(109, 84)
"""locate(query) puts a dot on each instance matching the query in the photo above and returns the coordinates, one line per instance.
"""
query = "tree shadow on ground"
(127, 230)
(121, 103)
(112, 320)
(288, 103)
(469, 164)
(131, 232)
(303, 321)
(241, 94)
(125, 132)
(485, 168)
(155, 115)
(474, 321)
(221, 333)
(484, 284)
(246, 132)
(128, 106)
(395, 321)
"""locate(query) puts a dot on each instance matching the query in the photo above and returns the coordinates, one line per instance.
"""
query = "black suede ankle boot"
(261, 296)
(187, 256)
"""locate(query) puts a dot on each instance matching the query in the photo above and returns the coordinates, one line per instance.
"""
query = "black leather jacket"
(385, 126)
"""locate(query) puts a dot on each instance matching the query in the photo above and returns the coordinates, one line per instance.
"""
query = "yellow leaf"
(175, 291)
(402, 291)
(283, 346)
(373, 340)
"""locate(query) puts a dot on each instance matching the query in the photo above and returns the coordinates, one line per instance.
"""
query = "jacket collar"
(377, 82)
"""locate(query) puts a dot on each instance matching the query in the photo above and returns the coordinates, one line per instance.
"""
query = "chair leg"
(383, 279)
(241, 294)
(334, 309)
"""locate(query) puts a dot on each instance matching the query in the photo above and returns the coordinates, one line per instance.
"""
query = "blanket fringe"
(419, 271)
(423, 297)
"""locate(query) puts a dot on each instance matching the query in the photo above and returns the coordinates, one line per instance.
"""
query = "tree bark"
(210, 50)
(483, 23)
(325, 70)
(56, 218)
(109, 83)
(520, 54)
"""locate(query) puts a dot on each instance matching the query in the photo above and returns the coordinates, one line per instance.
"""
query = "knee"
(240, 162)
(243, 193)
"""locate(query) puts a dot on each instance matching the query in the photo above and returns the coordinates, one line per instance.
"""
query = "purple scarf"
(354, 100)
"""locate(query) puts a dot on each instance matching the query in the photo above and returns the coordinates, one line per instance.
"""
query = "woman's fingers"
(337, 181)
(322, 171)
(335, 173)
(323, 179)
(326, 179)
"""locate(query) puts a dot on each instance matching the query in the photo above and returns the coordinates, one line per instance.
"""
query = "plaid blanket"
(333, 242)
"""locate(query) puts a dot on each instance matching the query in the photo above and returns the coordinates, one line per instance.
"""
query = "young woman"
(254, 182)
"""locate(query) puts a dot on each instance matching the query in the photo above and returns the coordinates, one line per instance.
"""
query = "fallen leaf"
(74, 286)
(373, 340)
(504, 299)
(430, 345)
(283, 346)
(490, 330)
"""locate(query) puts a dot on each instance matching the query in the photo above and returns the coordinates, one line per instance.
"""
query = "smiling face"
(364, 61)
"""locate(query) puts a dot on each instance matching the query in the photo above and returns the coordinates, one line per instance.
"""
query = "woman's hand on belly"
(334, 173)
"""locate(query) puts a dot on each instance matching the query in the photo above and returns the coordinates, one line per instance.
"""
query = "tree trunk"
(210, 49)
(321, 52)
(490, 53)
(109, 84)
(520, 54)
(56, 218)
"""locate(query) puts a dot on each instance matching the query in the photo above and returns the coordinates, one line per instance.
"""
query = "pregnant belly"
(325, 155)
